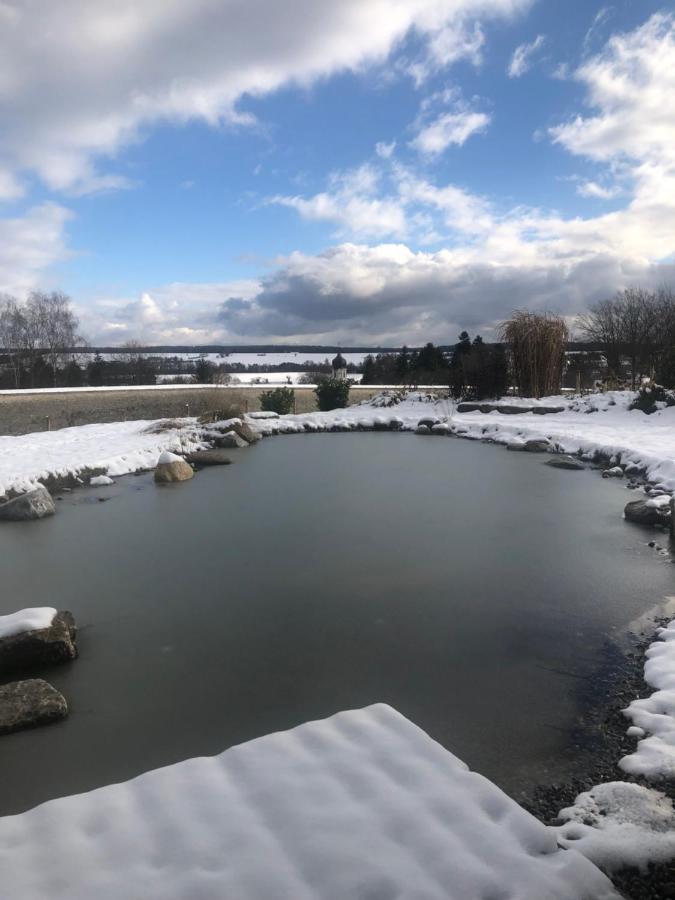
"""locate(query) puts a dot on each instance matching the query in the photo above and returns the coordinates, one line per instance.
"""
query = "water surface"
(471, 588)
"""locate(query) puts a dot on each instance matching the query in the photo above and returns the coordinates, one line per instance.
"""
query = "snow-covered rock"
(620, 824)
(171, 468)
(30, 619)
(230, 441)
(642, 513)
(209, 458)
(35, 504)
(36, 637)
(363, 804)
(101, 481)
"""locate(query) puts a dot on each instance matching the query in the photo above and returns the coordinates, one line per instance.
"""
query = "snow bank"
(30, 619)
(118, 448)
(363, 804)
(655, 715)
(620, 824)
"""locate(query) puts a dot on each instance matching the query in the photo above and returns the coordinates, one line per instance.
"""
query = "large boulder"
(34, 504)
(537, 446)
(230, 441)
(565, 462)
(209, 458)
(246, 432)
(27, 704)
(39, 646)
(171, 468)
(642, 513)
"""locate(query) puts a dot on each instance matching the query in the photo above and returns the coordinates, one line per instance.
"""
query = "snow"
(30, 619)
(166, 457)
(620, 824)
(118, 448)
(363, 804)
(100, 480)
(655, 715)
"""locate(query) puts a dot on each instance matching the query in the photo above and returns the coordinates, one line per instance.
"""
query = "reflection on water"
(469, 587)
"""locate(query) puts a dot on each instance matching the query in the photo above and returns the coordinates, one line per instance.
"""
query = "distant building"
(340, 367)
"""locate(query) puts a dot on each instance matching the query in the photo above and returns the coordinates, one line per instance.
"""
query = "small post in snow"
(187, 410)
(49, 424)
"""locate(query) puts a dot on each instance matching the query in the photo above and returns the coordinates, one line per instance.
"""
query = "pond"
(471, 588)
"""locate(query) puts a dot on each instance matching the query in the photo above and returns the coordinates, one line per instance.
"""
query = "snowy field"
(363, 804)
(248, 359)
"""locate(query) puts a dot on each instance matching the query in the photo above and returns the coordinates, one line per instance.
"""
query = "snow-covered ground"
(654, 717)
(363, 804)
(620, 824)
(118, 448)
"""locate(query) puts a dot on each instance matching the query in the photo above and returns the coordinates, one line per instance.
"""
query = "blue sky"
(356, 172)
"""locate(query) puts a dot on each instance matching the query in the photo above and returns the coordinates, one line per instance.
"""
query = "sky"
(310, 171)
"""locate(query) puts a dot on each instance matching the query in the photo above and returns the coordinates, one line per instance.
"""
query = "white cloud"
(353, 204)
(631, 83)
(170, 314)
(29, 245)
(596, 191)
(452, 128)
(83, 79)
(523, 55)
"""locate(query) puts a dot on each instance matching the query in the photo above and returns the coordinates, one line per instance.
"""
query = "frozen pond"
(471, 588)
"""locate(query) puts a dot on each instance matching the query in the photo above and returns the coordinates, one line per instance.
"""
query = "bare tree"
(629, 324)
(12, 327)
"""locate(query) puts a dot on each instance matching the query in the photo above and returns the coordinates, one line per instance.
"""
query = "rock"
(641, 513)
(537, 446)
(246, 432)
(423, 429)
(32, 505)
(27, 704)
(614, 472)
(428, 422)
(565, 462)
(209, 458)
(442, 428)
(172, 468)
(41, 647)
(230, 441)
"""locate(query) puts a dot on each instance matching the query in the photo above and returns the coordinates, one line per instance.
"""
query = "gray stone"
(27, 704)
(230, 441)
(429, 421)
(423, 429)
(41, 647)
(537, 446)
(209, 458)
(565, 462)
(32, 505)
(639, 512)
(170, 472)
(614, 472)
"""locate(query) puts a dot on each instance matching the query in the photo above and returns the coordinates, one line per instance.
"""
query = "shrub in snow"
(332, 393)
(652, 397)
(279, 400)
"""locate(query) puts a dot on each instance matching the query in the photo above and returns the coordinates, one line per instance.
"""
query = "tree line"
(637, 325)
